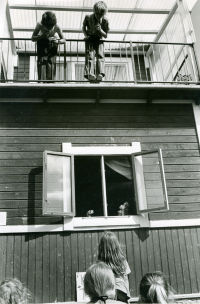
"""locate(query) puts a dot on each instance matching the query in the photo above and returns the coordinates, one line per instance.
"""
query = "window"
(91, 184)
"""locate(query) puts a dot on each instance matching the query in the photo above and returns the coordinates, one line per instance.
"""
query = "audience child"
(155, 289)
(48, 35)
(95, 27)
(99, 284)
(12, 291)
(110, 252)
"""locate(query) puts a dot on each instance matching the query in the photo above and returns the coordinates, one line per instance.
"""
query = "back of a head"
(100, 7)
(155, 289)
(13, 292)
(49, 18)
(99, 281)
(109, 251)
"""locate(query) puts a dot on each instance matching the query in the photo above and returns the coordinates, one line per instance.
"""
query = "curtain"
(121, 166)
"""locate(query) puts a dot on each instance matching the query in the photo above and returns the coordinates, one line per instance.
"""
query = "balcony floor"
(87, 92)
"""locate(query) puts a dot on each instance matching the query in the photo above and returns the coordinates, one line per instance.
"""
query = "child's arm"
(84, 29)
(60, 34)
(98, 28)
(35, 36)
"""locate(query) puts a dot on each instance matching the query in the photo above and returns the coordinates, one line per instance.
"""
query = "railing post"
(196, 61)
(1, 42)
(65, 64)
(133, 62)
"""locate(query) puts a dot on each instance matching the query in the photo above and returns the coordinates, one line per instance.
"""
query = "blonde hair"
(99, 282)
(100, 7)
(109, 251)
(155, 289)
(12, 291)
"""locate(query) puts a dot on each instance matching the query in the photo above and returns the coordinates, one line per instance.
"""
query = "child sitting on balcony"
(99, 284)
(95, 26)
(48, 35)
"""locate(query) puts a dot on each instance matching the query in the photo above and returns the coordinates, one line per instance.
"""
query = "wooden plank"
(24, 258)
(74, 269)
(172, 176)
(190, 258)
(150, 252)
(170, 258)
(156, 247)
(34, 220)
(31, 263)
(174, 215)
(184, 207)
(67, 266)
(60, 268)
(39, 267)
(3, 255)
(176, 184)
(9, 256)
(184, 258)
(46, 268)
(130, 259)
(178, 261)
(196, 252)
(53, 268)
(98, 139)
(183, 191)
(81, 251)
(35, 132)
(17, 256)
(138, 274)
(163, 252)
(143, 235)
(88, 249)
(19, 178)
(7, 187)
(172, 168)
(95, 243)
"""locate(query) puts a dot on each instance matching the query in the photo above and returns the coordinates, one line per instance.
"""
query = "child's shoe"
(100, 77)
(92, 77)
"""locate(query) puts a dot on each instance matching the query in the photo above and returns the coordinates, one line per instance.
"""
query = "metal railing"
(129, 62)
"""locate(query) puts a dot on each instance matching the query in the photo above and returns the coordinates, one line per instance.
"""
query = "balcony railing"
(128, 62)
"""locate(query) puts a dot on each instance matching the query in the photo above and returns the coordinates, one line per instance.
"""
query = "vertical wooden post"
(103, 180)
(65, 64)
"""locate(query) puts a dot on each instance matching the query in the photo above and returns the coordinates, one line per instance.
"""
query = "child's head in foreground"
(99, 282)
(49, 19)
(100, 9)
(12, 291)
(155, 289)
(109, 251)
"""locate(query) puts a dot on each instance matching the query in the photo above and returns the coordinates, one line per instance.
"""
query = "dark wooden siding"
(21, 72)
(26, 130)
(48, 262)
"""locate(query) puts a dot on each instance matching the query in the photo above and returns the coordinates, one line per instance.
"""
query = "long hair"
(12, 291)
(99, 281)
(49, 18)
(155, 289)
(109, 251)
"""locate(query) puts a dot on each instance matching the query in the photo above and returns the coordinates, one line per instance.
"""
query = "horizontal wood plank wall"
(26, 130)
(21, 72)
(47, 263)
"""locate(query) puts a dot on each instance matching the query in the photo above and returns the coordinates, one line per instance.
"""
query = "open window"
(104, 183)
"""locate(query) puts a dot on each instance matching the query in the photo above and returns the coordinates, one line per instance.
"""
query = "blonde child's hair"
(110, 252)
(155, 289)
(12, 291)
(99, 282)
(100, 7)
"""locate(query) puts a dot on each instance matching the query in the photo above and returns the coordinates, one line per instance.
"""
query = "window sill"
(99, 223)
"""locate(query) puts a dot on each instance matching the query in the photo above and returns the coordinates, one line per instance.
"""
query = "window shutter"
(149, 181)
(58, 184)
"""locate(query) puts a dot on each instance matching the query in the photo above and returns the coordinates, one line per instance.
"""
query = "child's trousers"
(93, 47)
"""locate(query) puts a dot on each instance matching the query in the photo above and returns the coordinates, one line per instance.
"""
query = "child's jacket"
(90, 21)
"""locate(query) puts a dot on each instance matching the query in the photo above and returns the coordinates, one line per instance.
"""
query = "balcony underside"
(121, 92)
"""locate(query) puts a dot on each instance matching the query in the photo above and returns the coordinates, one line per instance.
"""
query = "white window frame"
(105, 222)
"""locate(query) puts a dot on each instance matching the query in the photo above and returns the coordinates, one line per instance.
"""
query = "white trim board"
(56, 228)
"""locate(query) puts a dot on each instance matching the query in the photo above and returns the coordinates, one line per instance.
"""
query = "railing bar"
(192, 62)
(65, 64)
(120, 53)
(144, 62)
(70, 47)
(7, 59)
(186, 64)
(35, 62)
(175, 59)
(133, 62)
(170, 62)
(196, 60)
(127, 61)
(17, 58)
(138, 62)
(161, 62)
(59, 59)
(154, 62)
(111, 63)
(25, 62)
